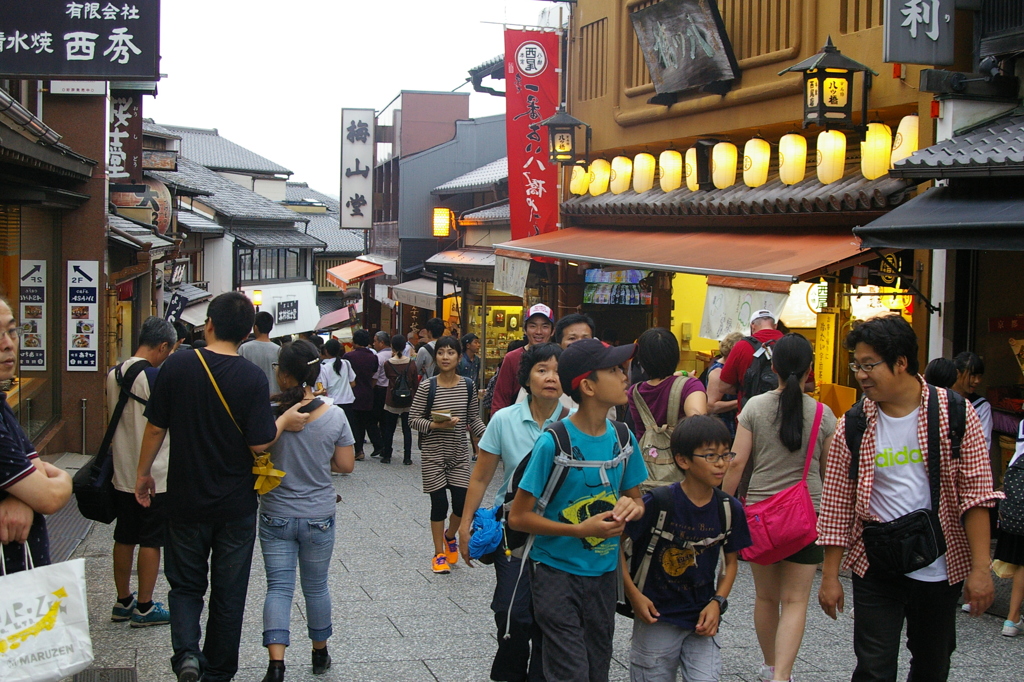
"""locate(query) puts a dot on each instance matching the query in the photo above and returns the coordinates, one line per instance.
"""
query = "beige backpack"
(656, 441)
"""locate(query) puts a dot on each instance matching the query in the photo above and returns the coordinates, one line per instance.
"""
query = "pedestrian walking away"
(403, 381)
(361, 416)
(261, 351)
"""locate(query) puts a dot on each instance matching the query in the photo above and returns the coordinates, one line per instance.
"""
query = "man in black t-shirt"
(210, 500)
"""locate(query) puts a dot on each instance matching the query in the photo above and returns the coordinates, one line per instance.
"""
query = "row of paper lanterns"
(878, 152)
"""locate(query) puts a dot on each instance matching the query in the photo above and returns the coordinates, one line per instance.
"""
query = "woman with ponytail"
(296, 519)
(337, 376)
(774, 429)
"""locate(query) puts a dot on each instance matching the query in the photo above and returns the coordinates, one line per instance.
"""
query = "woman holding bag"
(776, 428)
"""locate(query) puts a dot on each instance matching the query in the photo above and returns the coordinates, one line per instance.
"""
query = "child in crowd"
(678, 613)
(575, 550)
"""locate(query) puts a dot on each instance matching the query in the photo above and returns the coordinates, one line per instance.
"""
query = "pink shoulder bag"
(785, 523)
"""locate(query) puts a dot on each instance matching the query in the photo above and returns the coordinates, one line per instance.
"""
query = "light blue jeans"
(660, 649)
(286, 542)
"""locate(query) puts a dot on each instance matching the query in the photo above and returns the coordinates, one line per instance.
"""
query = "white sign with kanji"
(357, 145)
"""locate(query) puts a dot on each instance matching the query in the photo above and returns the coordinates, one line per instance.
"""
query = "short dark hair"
(468, 339)
(361, 337)
(514, 344)
(658, 352)
(610, 336)
(155, 331)
(180, 330)
(435, 327)
(398, 344)
(698, 431)
(941, 372)
(568, 321)
(448, 342)
(531, 356)
(232, 315)
(969, 362)
(264, 322)
(890, 336)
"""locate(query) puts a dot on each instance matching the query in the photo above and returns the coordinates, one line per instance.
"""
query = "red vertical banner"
(531, 95)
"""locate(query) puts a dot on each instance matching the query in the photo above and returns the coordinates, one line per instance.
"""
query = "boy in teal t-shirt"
(576, 547)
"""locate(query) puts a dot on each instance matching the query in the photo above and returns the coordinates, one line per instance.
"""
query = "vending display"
(617, 287)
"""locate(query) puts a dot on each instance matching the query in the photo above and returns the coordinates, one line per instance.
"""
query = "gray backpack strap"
(675, 399)
(645, 412)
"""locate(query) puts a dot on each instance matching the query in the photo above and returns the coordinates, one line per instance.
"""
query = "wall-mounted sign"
(686, 46)
(357, 145)
(124, 152)
(97, 40)
(32, 299)
(510, 275)
(918, 31)
(531, 97)
(78, 87)
(824, 348)
(151, 194)
(728, 310)
(83, 315)
(287, 311)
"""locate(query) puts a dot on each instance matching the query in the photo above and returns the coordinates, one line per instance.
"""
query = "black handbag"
(93, 484)
(914, 540)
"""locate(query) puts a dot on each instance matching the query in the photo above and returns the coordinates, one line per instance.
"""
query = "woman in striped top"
(444, 448)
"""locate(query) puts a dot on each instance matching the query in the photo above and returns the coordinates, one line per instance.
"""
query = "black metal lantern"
(562, 137)
(828, 88)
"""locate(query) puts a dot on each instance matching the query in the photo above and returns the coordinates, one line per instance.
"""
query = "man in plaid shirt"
(893, 481)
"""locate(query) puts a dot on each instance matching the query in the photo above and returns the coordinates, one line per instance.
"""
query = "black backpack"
(759, 377)
(401, 391)
(1011, 510)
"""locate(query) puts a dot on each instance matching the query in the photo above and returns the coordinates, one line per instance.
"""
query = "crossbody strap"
(934, 447)
(818, 412)
(221, 396)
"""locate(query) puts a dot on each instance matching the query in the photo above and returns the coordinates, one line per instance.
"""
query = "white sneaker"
(966, 607)
(1011, 629)
(767, 672)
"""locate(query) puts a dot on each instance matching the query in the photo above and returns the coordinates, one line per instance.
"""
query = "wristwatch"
(723, 603)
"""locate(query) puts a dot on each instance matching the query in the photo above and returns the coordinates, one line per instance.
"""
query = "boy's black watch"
(723, 603)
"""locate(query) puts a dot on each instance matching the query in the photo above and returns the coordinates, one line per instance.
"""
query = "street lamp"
(257, 298)
(442, 222)
(562, 137)
(828, 88)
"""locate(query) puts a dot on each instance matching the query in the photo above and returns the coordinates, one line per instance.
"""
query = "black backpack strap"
(469, 391)
(934, 450)
(431, 394)
(957, 414)
(662, 499)
(856, 425)
(126, 381)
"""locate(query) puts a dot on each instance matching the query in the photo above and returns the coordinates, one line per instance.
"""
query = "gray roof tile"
(140, 232)
(270, 238)
(157, 130)
(495, 214)
(300, 191)
(481, 178)
(213, 151)
(993, 148)
(194, 222)
(325, 226)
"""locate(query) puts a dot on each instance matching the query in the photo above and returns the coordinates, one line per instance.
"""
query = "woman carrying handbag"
(788, 435)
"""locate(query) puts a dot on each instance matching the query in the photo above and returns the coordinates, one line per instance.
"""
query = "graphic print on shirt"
(581, 509)
(676, 560)
(902, 457)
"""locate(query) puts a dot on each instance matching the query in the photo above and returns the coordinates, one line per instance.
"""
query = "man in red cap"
(539, 326)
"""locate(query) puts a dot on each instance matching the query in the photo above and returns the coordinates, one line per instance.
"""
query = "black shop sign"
(288, 311)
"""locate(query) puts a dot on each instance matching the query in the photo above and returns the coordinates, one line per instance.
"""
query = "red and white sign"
(531, 95)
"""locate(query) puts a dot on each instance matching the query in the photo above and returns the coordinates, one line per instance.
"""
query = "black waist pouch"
(906, 544)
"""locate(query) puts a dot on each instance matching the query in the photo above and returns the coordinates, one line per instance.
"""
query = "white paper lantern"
(905, 143)
(671, 163)
(875, 151)
(600, 175)
(622, 174)
(757, 154)
(831, 156)
(723, 165)
(691, 169)
(643, 173)
(792, 158)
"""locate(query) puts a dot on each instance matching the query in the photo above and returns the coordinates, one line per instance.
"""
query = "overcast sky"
(274, 76)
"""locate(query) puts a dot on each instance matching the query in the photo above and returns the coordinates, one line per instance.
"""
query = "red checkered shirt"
(964, 483)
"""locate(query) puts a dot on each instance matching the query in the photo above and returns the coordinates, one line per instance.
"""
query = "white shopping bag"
(44, 622)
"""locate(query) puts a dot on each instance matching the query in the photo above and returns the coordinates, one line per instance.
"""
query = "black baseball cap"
(587, 355)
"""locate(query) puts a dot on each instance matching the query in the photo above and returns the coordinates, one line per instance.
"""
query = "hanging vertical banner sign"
(357, 144)
(124, 154)
(531, 95)
(83, 315)
(824, 348)
(32, 299)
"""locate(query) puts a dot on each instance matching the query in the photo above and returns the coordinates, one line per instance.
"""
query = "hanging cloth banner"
(531, 95)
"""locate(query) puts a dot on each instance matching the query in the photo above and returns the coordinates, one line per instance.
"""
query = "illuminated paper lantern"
(905, 143)
(723, 165)
(580, 180)
(757, 154)
(600, 176)
(691, 170)
(442, 221)
(875, 151)
(643, 173)
(671, 163)
(622, 174)
(792, 158)
(831, 156)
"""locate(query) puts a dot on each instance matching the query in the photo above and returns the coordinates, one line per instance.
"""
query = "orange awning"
(780, 255)
(353, 271)
(335, 319)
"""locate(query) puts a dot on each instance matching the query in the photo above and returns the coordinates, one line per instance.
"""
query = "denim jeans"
(285, 542)
(225, 549)
(390, 424)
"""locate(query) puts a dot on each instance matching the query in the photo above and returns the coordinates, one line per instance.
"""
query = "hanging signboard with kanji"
(918, 31)
(357, 143)
(531, 71)
(94, 40)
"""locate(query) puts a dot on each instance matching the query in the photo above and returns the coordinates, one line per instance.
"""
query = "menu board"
(83, 315)
(32, 313)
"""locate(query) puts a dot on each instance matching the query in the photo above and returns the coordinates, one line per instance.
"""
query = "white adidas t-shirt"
(901, 480)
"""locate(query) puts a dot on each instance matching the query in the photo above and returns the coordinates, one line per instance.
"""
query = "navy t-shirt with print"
(209, 469)
(681, 581)
(16, 455)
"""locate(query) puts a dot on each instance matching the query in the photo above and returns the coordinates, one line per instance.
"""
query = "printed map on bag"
(31, 611)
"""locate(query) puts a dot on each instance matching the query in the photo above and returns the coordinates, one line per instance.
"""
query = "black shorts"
(138, 525)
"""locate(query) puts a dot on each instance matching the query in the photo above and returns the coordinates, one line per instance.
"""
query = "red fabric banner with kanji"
(531, 95)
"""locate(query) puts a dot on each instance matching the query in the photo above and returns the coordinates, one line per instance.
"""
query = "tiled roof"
(300, 191)
(213, 151)
(228, 198)
(262, 237)
(191, 293)
(194, 222)
(849, 194)
(476, 180)
(495, 214)
(157, 130)
(143, 234)
(994, 148)
(328, 303)
(490, 65)
(325, 227)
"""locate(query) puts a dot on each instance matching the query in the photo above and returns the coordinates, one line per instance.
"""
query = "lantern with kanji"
(828, 87)
(562, 137)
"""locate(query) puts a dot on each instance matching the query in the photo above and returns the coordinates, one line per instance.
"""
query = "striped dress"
(445, 452)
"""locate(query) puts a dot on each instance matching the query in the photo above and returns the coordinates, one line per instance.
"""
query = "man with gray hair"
(138, 525)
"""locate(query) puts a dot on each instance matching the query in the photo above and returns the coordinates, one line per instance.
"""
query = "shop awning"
(960, 216)
(421, 292)
(195, 315)
(193, 222)
(342, 276)
(782, 255)
(335, 319)
(465, 263)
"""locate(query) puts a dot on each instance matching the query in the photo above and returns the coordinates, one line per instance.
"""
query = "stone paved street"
(395, 621)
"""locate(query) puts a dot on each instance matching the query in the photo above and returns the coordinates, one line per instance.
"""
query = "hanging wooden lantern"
(875, 151)
(622, 174)
(905, 143)
(600, 175)
(792, 158)
(723, 165)
(643, 173)
(757, 154)
(828, 86)
(580, 180)
(671, 164)
(831, 155)
(691, 170)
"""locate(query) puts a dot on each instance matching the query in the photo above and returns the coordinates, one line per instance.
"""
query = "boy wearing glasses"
(679, 608)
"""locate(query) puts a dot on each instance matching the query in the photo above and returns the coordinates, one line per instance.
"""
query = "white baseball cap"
(763, 313)
(540, 309)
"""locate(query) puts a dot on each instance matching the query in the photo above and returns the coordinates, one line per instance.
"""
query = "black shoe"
(407, 460)
(375, 453)
(360, 457)
(275, 672)
(385, 460)
(321, 661)
(189, 670)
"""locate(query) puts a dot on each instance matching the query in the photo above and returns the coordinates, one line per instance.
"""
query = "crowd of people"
(627, 487)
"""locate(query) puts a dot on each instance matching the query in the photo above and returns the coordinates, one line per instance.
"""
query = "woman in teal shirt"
(508, 439)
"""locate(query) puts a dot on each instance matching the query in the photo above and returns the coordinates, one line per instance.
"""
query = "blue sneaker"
(157, 615)
(120, 614)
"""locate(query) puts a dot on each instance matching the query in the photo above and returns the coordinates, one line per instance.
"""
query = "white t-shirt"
(128, 437)
(338, 384)
(901, 480)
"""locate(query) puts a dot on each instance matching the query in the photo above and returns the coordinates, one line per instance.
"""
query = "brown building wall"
(428, 118)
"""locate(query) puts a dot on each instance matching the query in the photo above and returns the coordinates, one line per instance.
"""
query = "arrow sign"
(31, 272)
(81, 272)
